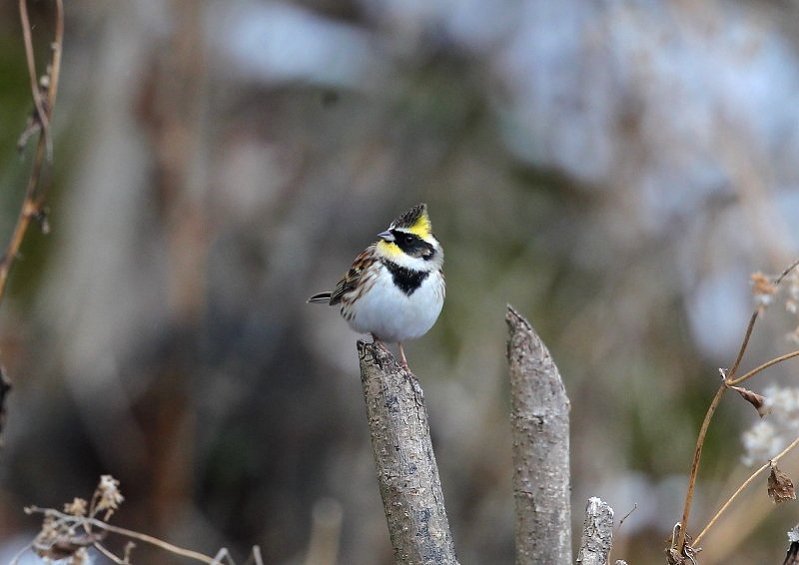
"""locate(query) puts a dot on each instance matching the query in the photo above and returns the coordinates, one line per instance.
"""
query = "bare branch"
(597, 533)
(406, 466)
(33, 208)
(741, 488)
(84, 520)
(540, 429)
(33, 205)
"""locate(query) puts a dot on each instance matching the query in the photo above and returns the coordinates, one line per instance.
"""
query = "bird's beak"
(386, 236)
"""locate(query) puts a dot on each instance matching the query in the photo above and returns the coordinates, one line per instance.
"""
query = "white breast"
(393, 316)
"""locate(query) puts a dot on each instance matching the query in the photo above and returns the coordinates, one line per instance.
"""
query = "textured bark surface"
(597, 533)
(540, 430)
(406, 466)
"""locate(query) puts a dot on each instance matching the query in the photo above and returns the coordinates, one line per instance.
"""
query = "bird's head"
(409, 241)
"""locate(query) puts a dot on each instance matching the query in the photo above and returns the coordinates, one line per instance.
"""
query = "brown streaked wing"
(352, 278)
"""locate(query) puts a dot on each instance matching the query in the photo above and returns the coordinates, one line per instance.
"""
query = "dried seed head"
(753, 398)
(780, 486)
(763, 289)
(77, 507)
(108, 495)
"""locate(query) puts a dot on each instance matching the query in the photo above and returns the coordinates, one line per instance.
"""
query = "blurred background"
(615, 170)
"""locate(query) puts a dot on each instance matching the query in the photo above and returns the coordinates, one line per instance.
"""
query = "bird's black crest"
(411, 217)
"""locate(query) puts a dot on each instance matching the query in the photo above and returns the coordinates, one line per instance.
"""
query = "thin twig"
(744, 344)
(786, 272)
(743, 486)
(623, 518)
(255, 557)
(33, 203)
(700, 442)
(223, 554)
(31, 61)
(108, 553)
(57, 46)
(729, 380)
(763, 367)
(166, 546)
(20, 553)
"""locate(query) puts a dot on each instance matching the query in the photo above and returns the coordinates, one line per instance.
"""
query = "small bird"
(395, 288)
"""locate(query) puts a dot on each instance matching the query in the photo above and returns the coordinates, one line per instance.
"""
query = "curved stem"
(744, 345)
(58, 44)
(166, 546)
(700, 442)
(31, 61)
(34, 197)
(729, 380)
(787, 271)
(763, 367)
(745, 484)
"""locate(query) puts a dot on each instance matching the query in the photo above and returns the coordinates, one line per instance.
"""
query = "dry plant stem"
(20, 553)
(255, 557)
(597, 533)
(729, 380)
(406, 466)
(744, 344)
(786, 272)
(102, 549)
(30, 59)
(743, 486)
(34, 197)
(700, 442)
(762, 367)
(189, 554)
(223, 554)
(540, 433)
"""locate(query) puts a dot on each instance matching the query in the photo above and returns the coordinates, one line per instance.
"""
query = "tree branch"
(540, 430)
(406, 466)
(597, 533)
(33, 204)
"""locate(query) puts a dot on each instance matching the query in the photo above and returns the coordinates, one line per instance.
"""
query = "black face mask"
(413, 245)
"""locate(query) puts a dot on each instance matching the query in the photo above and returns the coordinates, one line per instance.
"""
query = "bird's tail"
(320, 298)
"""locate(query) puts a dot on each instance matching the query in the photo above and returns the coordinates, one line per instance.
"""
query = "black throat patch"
(407, 280)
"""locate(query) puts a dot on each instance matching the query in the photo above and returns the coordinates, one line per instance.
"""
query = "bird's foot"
(403, 360)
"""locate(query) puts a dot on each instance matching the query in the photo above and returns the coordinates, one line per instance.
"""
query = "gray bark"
(597, 533)
(406, 466)
(540, 432)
